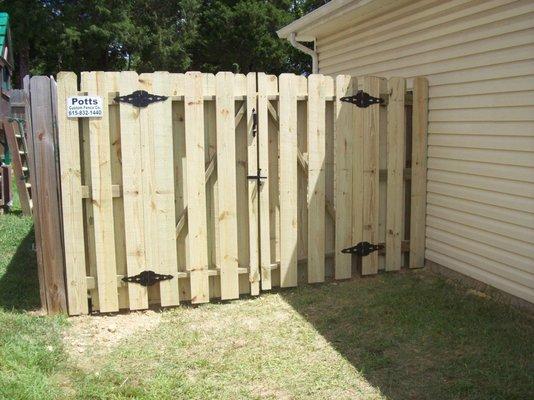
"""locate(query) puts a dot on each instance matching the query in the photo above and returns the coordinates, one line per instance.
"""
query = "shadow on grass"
(19, 285)
(414, 336)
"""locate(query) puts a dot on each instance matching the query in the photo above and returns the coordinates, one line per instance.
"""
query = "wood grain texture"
(252, 185)
(71, 199)
(162, 170)
(95, 84)
(370, 204)
(133, 191)
(6, 189)
(196, 188)
(264, 84)
(316, 178)
(226, 175)
(116, 188)
(419, 171)
(44, 169)
(287, 115)
(344, 131)
(396, 143)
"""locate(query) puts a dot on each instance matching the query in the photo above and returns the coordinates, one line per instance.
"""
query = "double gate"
(196, 186)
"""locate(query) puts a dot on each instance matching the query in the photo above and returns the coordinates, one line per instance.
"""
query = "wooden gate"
(229, 184)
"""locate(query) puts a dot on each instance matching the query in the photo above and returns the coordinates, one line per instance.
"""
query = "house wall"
(479, 59)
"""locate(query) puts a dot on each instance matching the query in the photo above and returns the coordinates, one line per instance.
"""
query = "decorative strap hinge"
(140, 98)
(147, 278)
(362, 249)
(362, 99)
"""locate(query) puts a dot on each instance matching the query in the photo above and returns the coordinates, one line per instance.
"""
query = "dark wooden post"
(44, 175)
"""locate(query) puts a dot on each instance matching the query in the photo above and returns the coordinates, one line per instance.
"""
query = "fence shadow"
(414, 336)
(19, 285)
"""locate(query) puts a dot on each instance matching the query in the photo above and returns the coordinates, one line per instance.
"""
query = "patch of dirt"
(89, 337)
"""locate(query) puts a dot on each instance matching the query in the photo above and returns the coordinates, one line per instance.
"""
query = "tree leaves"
(149, 35)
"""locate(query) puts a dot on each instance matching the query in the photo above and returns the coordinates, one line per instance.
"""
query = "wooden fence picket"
(95, 84)
(316, 177)
(133, 191)
(162, 209)
(287, 116)
(344, 132)
(113, 79)
(226, 174)
(252, 185)
(263, 164)
(196, 187)
(370, 205)
(396, 144)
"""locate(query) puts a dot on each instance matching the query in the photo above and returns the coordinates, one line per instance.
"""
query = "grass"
(31, 351)
(394, 336)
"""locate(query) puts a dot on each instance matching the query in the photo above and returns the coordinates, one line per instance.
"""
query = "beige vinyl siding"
(479, 59)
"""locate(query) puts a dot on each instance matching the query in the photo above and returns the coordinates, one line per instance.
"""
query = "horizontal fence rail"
(232, 184)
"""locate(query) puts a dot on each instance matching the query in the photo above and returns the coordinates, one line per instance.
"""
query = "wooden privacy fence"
(232, 184)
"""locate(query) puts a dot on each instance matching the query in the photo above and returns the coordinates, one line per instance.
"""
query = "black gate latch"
(140, 98)
(147, 278)
(362, 99)
(362, 249)
(257, 177)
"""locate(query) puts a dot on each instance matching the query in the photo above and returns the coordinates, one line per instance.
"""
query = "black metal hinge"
(147, 278)
(362, 249)
(140, 98)
(362, 99)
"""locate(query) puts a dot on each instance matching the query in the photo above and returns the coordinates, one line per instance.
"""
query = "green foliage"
(149, 35)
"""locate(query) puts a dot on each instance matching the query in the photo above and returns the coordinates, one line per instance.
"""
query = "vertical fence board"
(371, 132)
(316, 178)
(253, 189)
(71, 199)
(241, 138)
(41, 146)
(302, 178)
(226, 175)
(148, 182)
(344, 131)
(274, 187)
(116, 180)
(165, 257)
(357, 178)
(288, 179)
(95, 84)
(132, 191)
(419, 168)
(264, 188)
(35, 201)
(196, 187)
(180, 190)
(395, 164)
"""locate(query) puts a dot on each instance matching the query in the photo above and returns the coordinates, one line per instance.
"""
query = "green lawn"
(394, 336)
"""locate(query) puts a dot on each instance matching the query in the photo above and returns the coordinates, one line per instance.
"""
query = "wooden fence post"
(44, 174)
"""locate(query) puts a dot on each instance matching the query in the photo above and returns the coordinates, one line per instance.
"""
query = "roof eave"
(301, 27)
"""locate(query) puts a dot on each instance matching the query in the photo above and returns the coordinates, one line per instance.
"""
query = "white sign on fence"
(84, 107)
